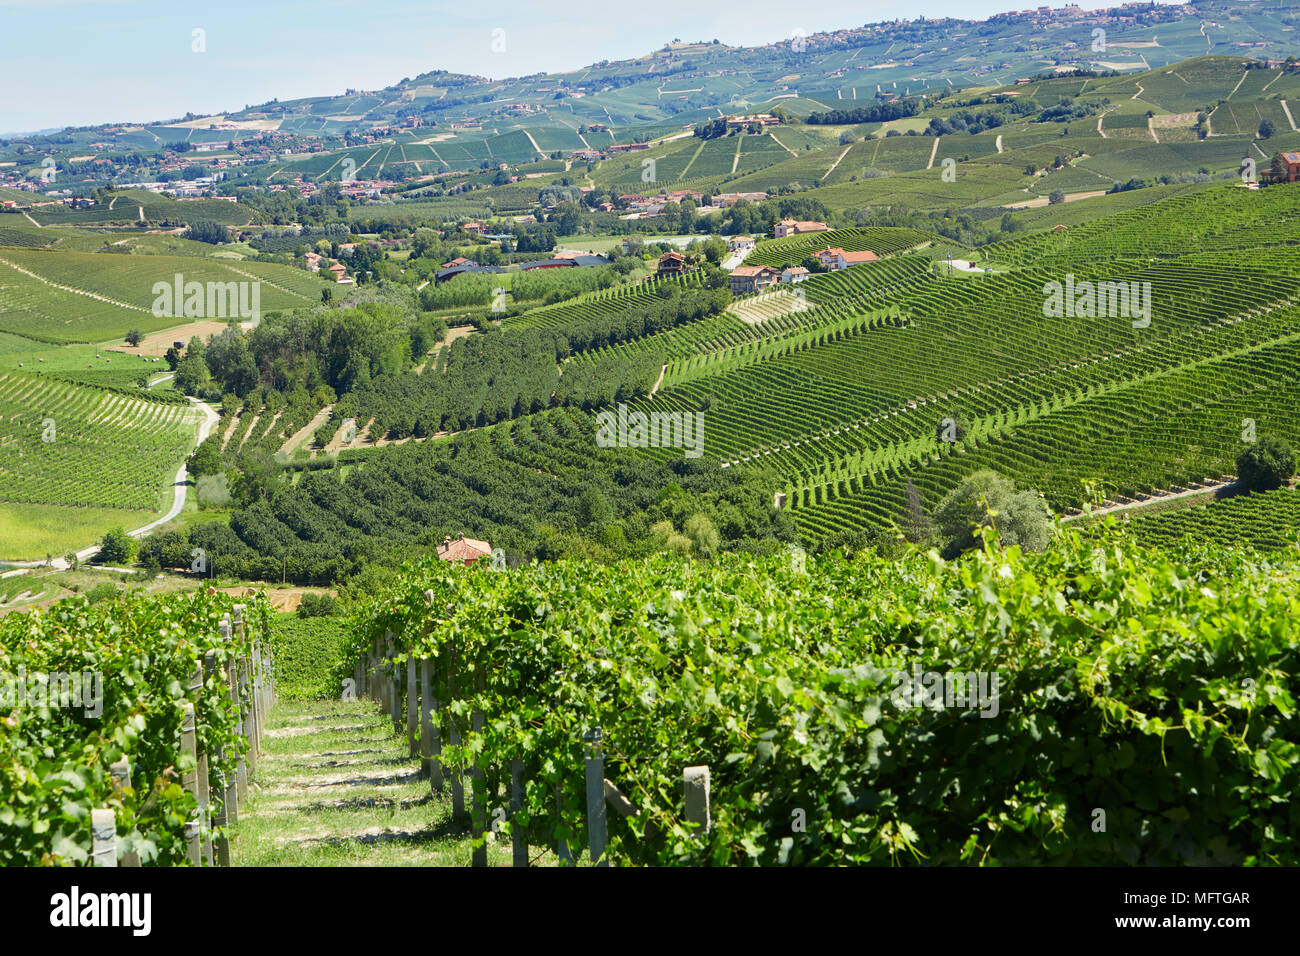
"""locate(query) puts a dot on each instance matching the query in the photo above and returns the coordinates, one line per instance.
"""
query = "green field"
(80, 447)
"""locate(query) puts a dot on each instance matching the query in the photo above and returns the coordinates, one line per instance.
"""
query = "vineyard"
(1265, 522)
(68, 444)
(792, 250)
(797, 685)
(87, 297)
(141, 707)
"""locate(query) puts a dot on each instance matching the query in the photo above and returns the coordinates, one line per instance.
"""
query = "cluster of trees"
(1065, 110)
(503, 374)
(205, 230)
(327, 528)
(983, 504)
(746, 218)
(876, 113)
(963, 121)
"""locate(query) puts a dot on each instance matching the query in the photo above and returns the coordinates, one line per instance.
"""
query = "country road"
(1207, 489)
(179, 491)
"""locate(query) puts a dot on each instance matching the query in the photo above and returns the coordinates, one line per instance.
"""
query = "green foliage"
(118, 547)
(987, 500)
(794, 686)
(318, 605)
(1266, 464)
(307, 651)
(143, 652)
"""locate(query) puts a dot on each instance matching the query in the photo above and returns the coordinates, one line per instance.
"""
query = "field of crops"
(1267, 521)
(799, 683)
(791, 250)
(68, 444)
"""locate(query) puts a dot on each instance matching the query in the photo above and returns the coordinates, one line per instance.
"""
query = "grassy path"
(336, 787)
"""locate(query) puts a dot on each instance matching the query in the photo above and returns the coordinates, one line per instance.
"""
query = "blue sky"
(81, 62)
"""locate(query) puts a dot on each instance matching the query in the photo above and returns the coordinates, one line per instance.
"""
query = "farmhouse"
(671, 264)
(836, 258)
(740, 244)
(723, 200)
(463, 550)
(792, 274)
(1292, 161)
(762, 119)
(751, 279)
(793, 227)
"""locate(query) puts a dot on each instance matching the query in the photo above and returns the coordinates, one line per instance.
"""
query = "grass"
(335, 787)
(29, 531)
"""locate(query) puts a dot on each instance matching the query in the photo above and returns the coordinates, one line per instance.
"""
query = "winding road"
(180, 489)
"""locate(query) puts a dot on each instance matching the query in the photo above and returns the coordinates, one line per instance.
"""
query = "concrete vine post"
(103, 837)
(412, 705)
(201, 775)
(189, 779)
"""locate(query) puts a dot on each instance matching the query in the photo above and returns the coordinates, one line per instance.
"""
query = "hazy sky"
(81, 62)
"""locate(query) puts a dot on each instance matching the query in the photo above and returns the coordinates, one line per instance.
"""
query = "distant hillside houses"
(747, 279)
(794, 227)
(835, 259)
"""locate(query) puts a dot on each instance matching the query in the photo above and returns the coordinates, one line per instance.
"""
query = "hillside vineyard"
(874, 447)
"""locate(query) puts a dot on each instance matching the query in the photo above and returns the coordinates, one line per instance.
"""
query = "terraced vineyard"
(791, 250)
(74, 445)
(1268, 521)
(58, 296)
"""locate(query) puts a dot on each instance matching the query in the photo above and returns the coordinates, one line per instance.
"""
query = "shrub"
(986, 499)
(117, 547)
(1267, 464)
(318, 605)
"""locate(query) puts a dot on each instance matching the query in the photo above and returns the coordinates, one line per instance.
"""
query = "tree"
(1266, 129)
(192, 375)
(117, 547)
(1267, 464)
(133, 338)
(206, 459)
(173, 357)
(594, 509)
(1057, 196)
(986, 499)
(703, 535)
(205, 230)
(1278, 168)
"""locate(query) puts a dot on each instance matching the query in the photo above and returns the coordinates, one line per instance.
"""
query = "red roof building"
(463, 549)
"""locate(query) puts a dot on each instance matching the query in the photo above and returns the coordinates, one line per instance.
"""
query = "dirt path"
(1046, 200)
(65, 288)
(837, 161)
(336, 787)
(998, 143)
(934, 151)
(662, 372)
(534, 142)
(1287, 110)
(1158, 498)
